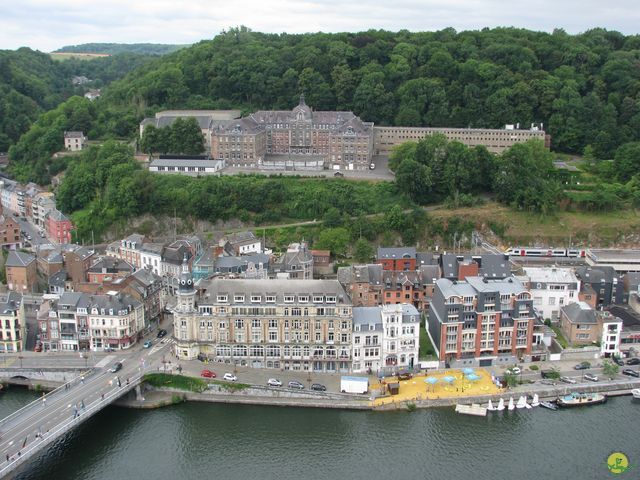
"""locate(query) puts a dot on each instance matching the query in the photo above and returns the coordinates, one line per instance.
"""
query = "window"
(221, 298)
(303, 298)
(270, 299)
(289, 298)
(256, 298)
(238, 298)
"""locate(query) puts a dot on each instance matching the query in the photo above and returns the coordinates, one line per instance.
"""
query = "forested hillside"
(116, 48)
(583, 88)
(30, 82)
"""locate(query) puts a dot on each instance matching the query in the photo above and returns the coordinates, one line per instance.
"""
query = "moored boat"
(522, 402)
(491, 407)
(511, 405)
(580, 399)
(500, 406)
(549, 405)
(536, 400)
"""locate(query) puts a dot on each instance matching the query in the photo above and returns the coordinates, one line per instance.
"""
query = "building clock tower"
(184, 315)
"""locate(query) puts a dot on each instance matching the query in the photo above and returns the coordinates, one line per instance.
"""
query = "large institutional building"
(301, 139)
(294, 325)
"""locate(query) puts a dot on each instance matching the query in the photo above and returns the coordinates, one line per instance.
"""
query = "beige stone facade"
(301, 325)
(496, 140)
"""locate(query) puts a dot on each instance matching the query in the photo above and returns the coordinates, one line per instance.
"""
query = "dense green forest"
(584, 88)
(183, 136)
(116, 48)
(104, 185)
(31, 83)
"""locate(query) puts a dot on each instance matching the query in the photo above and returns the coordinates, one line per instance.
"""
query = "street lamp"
(20, 357)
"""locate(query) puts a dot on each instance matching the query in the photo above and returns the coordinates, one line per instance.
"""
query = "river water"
(206, 441)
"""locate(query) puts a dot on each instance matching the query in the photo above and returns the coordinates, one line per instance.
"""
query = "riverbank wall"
(153, 397)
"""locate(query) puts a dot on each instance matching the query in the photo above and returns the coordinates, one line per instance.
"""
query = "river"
(202, 441)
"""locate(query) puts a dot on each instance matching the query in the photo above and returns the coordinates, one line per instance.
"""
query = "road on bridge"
(52, 415)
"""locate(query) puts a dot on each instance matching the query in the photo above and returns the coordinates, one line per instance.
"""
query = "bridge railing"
(47, 395)
(51, 435)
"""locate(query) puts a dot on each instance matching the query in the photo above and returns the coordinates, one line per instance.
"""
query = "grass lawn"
(561, 340)
(180, 382)
(426, 348)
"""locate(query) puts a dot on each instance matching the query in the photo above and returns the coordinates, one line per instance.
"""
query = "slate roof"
(596, 274)
(396, 252)
(19, 259)
(580, 312)
(10, 302)
(368, 316)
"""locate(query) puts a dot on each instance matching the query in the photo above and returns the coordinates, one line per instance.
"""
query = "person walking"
(102, 398)
(44, 400)
(82, 379)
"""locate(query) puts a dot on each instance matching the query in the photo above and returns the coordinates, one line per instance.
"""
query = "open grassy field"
(564, 228)
(81, 56)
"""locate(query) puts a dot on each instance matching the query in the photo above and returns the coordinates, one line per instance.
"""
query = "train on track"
(546, 252)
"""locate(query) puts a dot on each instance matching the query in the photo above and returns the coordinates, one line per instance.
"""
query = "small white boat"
(522, 402)
(536, 400)
(511, 405)
(500, 406)
(636, 393)
(490, 407)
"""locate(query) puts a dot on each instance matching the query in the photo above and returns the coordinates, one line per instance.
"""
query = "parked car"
(148, 344)
(591, 377)
(567, 380)
(372, 166)
(116, 367)
(202, 357)
(230, 377)
(547, 382)
(296, 384)
(161, 333)
(29, 237)
(38, 347)
(633, 361)
(405, 376)
(617, 361)
(318, 387)
(207, 374)
(630, 372)
(338, 174)
(108, 349)
(582, 366)
(274, 382)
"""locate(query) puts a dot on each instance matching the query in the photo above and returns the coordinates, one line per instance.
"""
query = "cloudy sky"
(50, 24)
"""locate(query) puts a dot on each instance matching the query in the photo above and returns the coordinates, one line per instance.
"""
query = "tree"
(609, 369)
(332, 218)
(363, 251)
(334, 239)
(627, 161)
(510, 379)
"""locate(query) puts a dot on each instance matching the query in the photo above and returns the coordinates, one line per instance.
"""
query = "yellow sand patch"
(418, 389)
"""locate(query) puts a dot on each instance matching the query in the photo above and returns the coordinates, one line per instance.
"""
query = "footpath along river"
(203, 441)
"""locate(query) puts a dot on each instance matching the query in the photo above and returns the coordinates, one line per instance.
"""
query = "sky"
(50, 24)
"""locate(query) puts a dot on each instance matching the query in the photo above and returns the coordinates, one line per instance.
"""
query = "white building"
(151, 257)
(385, 336)
(115, 320)
(74, 141)
(551, 289)
(611, 334)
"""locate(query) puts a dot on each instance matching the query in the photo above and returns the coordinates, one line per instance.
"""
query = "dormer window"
(256, 298)
(238, 298)
(330, 299)
(318, 299)
(303, 298)
(270, 299)
(222, 298)
(289, 298)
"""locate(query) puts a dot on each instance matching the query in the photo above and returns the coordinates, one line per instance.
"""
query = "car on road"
(630, 372)
(372, 166)
(230, 377)
(274, 382)
(296, 384)
(567, 380)
(161, 333)
(633, 361)
(617, 361)
(582, 366)
(109, 349)
(29, 237)
(318, 387)
(591, 377)
(547, 382)
(514, 370)
(207, 373)
(338, 174)
(148, 344)
(116, 367)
